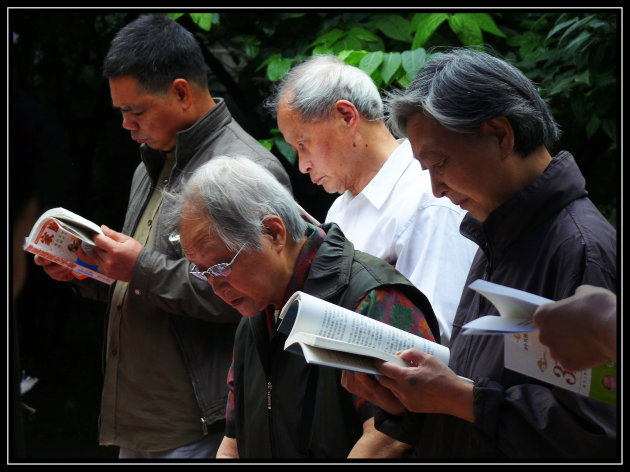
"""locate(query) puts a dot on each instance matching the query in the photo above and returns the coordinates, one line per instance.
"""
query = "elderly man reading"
(483, 132)
(243, 232)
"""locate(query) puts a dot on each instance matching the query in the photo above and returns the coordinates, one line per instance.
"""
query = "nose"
(437, 185)
(304, 164)
(129, 123)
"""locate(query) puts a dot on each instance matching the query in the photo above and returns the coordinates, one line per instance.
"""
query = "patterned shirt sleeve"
(393, 307)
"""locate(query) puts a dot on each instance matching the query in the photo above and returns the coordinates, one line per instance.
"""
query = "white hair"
(313, 87)
(236, 194)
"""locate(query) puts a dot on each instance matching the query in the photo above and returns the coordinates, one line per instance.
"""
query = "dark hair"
(464, 88)
(156, 50)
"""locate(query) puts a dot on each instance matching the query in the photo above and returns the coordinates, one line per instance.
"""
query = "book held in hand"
(66, 238)
(524, 353)
(330, 335)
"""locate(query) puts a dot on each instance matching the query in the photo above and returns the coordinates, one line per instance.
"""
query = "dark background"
(67, 147)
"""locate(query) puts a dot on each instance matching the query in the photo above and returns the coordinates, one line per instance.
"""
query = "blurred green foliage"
(571, 56)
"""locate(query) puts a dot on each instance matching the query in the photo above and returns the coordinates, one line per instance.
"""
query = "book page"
(327, 320)
(339, 359)
(516, 309)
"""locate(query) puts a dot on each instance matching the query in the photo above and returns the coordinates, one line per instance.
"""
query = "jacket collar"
(331, 268)
(188, 141)
(560, 184)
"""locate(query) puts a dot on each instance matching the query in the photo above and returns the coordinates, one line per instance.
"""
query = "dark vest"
(286, 408)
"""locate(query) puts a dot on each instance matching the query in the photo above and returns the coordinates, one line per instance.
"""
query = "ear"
(348, 112)
(275, 231)
(181, 90)
(500, 130)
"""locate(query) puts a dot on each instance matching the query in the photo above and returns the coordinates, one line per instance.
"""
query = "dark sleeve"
(534, 420)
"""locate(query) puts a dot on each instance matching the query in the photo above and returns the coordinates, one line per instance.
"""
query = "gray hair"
(464, 88)
(313, 87)
(235, 194)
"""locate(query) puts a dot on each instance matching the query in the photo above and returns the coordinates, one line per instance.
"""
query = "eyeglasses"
(222, 269)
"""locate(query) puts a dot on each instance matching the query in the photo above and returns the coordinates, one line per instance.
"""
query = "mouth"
(461, 203)
(236, 302)
(139, 140)
(317, 181)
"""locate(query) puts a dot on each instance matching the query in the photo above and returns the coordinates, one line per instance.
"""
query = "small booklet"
(330, 335)
(524, 353)
(64, 237)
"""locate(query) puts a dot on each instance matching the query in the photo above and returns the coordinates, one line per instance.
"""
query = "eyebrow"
(124, 108)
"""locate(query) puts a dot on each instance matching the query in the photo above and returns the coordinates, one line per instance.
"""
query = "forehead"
(289, 118)
(428, 137)
(127, 92)
(198, 237)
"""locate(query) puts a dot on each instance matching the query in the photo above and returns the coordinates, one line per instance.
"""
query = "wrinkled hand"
(54, 270)
(425, 386)
(364, 386)
(116, 253)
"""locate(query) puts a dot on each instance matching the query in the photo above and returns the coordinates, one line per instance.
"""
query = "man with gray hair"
(332, 115)
(244, 233)
(482, 130)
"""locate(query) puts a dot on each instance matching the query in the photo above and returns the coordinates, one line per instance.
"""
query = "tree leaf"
(560, 26)
(466, 29)
(363, 34)
(371, 61)
(574, 26)
(404, 80)
(285, 149)
(203, 20)
(269, 60)
(592, 126)
(329, 37)
(426, 27)
(486, 23)
(266, 143)
(393, 26)
(347, 42)
(391, 63)
(278, 68)
(352, 58)
(413, 61)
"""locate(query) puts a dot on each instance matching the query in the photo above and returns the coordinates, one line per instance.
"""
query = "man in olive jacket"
(169, 340)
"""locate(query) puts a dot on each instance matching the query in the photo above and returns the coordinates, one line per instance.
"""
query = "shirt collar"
(377, 191)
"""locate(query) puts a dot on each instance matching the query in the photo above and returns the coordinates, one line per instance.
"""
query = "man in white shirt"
(332, 115)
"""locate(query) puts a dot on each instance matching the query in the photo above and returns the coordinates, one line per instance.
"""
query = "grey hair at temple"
(235, 194)
(464, 88)
(313, 87)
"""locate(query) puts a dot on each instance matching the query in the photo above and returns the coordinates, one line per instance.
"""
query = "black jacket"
(547, 240)
(285, 408)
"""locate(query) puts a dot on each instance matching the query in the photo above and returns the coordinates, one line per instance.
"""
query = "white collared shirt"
(397, 218)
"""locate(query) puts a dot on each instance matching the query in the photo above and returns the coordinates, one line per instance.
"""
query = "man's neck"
(376, 148)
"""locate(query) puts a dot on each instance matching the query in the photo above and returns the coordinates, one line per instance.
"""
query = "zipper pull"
(204, 425)
(269, 395)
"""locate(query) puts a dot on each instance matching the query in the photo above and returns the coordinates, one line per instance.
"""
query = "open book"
(523, 352)
(66, 238)
(330, 335)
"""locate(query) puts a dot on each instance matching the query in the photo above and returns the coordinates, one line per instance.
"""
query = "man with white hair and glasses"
(246, 237)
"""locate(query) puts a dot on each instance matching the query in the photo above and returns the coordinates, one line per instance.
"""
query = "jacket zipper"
(269, 387)
(204, 425)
